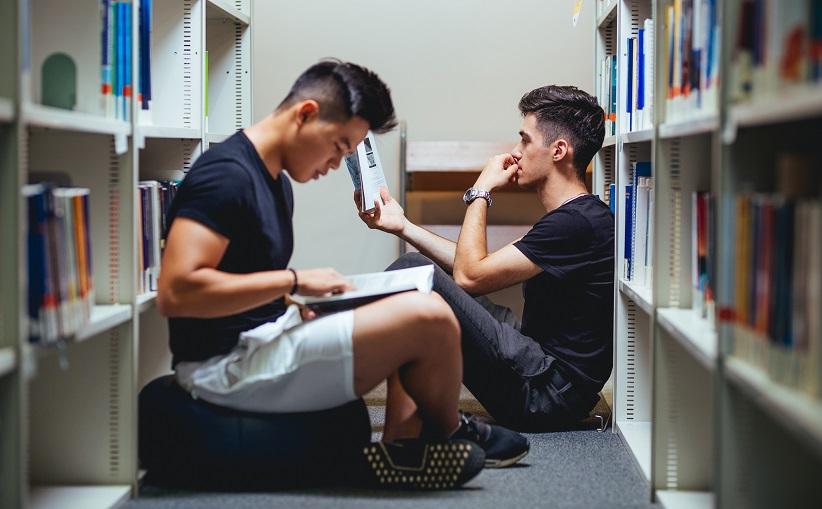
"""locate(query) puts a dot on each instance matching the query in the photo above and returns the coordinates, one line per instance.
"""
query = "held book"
(371, 287)
(365, 169)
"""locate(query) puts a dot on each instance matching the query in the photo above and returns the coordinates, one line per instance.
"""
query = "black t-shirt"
(569, 306)
(230, 191)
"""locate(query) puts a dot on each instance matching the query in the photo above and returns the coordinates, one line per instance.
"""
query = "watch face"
(469, 195)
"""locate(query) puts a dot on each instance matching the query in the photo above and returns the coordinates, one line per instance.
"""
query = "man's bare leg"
(417, 337)
(401, 417)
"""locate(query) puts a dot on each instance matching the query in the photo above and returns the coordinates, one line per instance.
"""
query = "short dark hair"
(344, 90)
(566, 111)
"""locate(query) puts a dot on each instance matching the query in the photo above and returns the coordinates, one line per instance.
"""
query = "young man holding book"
(544, 373)
(225, 281)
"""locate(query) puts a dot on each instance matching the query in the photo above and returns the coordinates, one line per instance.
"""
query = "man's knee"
(413, 259)
(434, 317)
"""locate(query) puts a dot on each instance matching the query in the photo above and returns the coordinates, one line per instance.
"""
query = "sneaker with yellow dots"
(420, 465)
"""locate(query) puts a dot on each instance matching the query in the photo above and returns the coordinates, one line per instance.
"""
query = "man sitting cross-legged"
(235, 340)
(544, 373)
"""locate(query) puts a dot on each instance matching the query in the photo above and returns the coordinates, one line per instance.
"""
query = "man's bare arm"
(191, 286)
(475, 270)
(390, 217)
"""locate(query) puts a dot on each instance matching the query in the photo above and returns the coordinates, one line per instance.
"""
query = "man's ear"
(307, 111)
(560, 150)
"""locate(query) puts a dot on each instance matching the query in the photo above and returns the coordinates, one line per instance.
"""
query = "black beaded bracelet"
(296, 286)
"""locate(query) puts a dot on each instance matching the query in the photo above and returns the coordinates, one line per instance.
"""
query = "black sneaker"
(421, 465)
(502, 446)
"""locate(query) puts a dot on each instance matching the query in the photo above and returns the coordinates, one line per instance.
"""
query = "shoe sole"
(507, 462)
(443, 466)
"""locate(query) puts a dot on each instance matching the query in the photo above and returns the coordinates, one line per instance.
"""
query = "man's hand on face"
(389, 217)
(498, 171)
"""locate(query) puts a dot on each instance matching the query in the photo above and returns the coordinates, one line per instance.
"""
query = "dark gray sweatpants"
(521, 385)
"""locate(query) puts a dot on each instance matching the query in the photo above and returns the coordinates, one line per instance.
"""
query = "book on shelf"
(150, 233)
(58, 253)
(116, 80)
(639, 200)
(371, 287)
(778, 277)
(144, 92)
(639, 86)
(607, 92)
(777, 45)
(629, 233)
(366, 172)
(703, 217)
(692, 59)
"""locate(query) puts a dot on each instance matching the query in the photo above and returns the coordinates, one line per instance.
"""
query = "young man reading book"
(545, 373)
(225, 280)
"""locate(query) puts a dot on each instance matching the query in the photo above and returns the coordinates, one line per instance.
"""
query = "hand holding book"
(387, 216)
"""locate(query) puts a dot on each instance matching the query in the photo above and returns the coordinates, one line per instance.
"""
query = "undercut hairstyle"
(568, 112)
(344, 90)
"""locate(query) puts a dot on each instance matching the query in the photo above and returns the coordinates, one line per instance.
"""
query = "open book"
(371, 287)
(366, 172)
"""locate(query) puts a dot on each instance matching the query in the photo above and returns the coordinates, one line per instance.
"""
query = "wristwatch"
(472, 194)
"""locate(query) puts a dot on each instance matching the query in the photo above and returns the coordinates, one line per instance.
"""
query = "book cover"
(365, 169)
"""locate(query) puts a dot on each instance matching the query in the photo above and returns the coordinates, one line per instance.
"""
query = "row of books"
(116, 46)
(639, 224)
(58, 245)
(692, 37)
(778, 44)
(778, 288)
(607, 92)
(639, 87)
(778, 276)
(155, 198)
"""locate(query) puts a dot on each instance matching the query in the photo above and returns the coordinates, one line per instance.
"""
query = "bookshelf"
(710, 408)
(70, 413)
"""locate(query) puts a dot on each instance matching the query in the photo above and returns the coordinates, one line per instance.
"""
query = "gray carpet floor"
(581, 469)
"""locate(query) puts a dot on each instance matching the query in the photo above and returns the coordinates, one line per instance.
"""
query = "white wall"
(456, 68)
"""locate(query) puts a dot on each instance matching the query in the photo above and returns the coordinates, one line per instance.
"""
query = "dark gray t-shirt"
(569, 306)
(229, 190)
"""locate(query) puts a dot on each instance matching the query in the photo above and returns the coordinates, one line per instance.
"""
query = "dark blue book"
(145, 53)
(781, 302)
(38, 271)
(612, 198)
(628, 92)
(629, 227)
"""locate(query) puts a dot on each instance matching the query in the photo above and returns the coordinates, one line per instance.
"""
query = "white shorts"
(283, 366)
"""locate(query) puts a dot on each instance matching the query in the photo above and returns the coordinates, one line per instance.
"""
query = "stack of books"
(60, 283)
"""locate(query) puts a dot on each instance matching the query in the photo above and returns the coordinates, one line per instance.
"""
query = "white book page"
(372, 176)
(420, 278)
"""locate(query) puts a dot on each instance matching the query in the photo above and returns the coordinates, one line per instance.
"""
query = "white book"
(641, 231)
(366, 172)
(649, 243)
(371, 287)
(648, 112)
